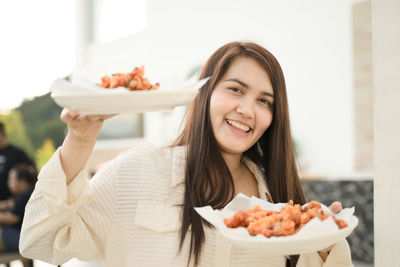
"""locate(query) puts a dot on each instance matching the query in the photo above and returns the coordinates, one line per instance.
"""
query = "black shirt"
(9, 156)
(19, 206)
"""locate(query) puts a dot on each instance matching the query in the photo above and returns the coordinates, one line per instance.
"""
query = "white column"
(84, 25)
(386, 75)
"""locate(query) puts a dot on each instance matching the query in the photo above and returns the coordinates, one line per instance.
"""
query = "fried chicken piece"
(322, 215)
(297, 214)
(239, 218)
(289, 227)
(312, 213)
(267, 232)
(304, 219)
(105, 81)
(339, 222)
(257, 226)
(132, 81)
(312, 205)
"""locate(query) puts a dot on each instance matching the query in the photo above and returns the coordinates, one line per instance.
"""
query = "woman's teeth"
(238, 125)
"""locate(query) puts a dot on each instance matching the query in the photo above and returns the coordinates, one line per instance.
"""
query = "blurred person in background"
(9, 156)
(21, 181)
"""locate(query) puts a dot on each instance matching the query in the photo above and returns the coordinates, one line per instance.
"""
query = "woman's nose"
(246, 108)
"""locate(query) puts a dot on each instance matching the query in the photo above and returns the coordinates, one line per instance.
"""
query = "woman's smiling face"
(241, 106)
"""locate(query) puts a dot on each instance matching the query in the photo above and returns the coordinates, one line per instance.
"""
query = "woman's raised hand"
(79, 143)
(83, 129)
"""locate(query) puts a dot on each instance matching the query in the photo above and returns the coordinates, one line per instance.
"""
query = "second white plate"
(313, 236)
(291, 245)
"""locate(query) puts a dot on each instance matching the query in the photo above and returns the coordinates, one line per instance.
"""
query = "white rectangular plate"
(96, 100)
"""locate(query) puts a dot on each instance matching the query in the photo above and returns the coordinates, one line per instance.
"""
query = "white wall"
(311, 39)
(386, 59)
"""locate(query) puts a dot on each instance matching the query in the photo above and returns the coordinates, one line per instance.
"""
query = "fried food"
(132, 81)
(286, 222)
(340, 223)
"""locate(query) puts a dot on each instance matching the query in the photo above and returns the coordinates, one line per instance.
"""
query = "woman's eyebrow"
(246, 86)
(268, 94)
(238, 81)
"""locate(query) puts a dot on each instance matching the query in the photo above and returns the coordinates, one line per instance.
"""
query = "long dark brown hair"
(208, 180)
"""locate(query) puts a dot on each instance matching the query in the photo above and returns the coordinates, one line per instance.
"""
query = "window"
(122, 126)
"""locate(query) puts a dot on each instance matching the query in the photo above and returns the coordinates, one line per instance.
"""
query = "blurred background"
(324, 47)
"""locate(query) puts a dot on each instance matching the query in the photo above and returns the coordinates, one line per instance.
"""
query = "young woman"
(138, 210)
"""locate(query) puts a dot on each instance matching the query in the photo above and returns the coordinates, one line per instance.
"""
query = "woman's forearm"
(74, 154)
(79, 143)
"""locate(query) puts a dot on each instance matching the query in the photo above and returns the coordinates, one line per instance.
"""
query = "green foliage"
(44, 153)
(16, 131)
(35, 126)
(41, 116)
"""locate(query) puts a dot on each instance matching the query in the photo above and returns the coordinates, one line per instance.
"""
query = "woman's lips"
(241, 128)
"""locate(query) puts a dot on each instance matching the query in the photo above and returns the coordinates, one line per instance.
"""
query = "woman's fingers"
(83, 127)
(99, 117)
(336, 207)
(67, 116)
(105, 117)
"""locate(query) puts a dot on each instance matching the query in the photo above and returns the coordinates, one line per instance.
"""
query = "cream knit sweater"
(129, 215)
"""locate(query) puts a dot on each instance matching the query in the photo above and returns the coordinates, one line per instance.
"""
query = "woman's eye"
(234, 89)
(265, 101)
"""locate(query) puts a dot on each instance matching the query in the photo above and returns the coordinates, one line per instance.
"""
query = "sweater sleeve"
(339, 256)
(64, 221)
